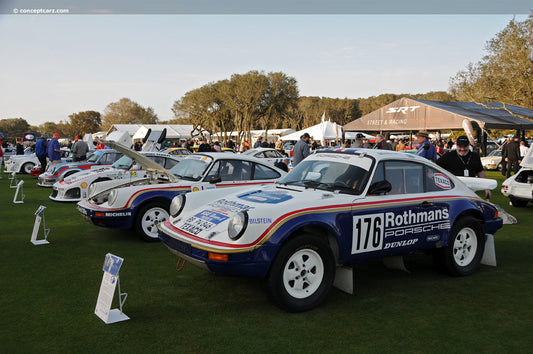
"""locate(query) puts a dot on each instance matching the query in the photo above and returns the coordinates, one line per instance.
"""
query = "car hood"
(528, 159)
(206, 221)
(141, 159)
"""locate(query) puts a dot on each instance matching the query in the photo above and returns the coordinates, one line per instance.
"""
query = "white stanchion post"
(110, 280)
(13, 180)
(39, 215)
(19, 188)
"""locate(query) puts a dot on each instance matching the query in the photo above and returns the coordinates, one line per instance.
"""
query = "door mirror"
(380, 187)
(215, 179)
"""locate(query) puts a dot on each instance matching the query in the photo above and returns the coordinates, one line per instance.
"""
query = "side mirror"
(380, 187)
(215, 179)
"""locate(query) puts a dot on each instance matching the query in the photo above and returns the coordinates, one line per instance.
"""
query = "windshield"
(192, 168)
(496, 153)
(328, 175)
(124, 163)
(95, 156)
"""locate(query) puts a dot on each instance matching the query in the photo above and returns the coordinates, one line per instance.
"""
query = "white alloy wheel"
(303, 273)
(465, 247)
(150, 219)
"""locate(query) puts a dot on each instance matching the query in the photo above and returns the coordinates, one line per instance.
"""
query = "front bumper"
(66, 194)
(47, 182)
(249, 264)
(110, 218)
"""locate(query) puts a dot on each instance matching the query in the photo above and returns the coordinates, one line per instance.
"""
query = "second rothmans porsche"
(337, 208)
(78, 186)
(145, 204)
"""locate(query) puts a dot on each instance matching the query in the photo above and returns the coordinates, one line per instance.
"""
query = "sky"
(56, 65)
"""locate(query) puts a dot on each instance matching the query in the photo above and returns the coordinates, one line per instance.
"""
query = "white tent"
(325, 130)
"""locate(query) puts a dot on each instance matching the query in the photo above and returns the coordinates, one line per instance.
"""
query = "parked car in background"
(336, 209)
(493, 161)
(58, 171)
(178, 151)
(25, 163)
(519, 187)
(269, 154)
(76, 187)
(144, 204)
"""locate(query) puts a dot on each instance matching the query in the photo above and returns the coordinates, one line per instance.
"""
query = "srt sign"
(403, 110)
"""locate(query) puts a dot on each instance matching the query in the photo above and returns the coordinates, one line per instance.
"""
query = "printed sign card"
(110, 280)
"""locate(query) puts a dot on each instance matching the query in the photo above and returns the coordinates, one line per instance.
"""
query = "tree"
(84, 122)
(280, 96)
(125, 111)
(13, 128)
(505, 74)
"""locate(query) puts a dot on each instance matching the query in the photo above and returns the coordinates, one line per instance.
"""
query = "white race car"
(25, 163)
(77, 186)
(493, 161)
(336, 209)
(519, 187)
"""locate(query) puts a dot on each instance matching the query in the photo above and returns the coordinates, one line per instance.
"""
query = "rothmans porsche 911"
(334, 210)
(145, 203)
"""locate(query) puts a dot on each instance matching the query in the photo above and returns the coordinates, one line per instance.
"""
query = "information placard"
(110, 280)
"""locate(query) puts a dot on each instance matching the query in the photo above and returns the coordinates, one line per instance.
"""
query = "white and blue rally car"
(336, 209)
(143, 204)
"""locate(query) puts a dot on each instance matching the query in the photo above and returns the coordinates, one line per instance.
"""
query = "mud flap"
(344, 279)
(395, 262)
(489, 254)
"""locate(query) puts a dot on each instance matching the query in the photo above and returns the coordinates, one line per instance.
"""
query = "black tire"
(518, 203)
(499, 167)
(27, 167)
(465, 248)
(147, 219)
(302, 274)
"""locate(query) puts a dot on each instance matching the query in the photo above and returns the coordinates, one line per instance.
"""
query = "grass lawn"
(48, 294)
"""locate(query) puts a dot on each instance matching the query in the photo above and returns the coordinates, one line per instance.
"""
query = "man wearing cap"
(425, 148)
(511, 155)
(301, 149)
(53, 149)
(79, 150)
(463, 162)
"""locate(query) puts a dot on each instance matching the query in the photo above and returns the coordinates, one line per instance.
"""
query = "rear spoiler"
(478, 184)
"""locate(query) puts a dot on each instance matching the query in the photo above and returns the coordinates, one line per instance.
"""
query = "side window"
(110, 158)
(404, 177)
(214, 172)
(158, 160)
(241, 170)
(258, 154)
(263, 172)
(436, 181)
(271, 154)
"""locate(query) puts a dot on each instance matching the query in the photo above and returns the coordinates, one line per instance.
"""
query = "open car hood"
(141, 159)
(528, 159)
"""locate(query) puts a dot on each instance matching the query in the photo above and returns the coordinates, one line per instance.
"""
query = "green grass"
(48, 294)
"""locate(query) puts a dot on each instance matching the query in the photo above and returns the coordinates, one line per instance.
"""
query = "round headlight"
(177, 204)
(112, 197)
(237, 225)
(91, 190)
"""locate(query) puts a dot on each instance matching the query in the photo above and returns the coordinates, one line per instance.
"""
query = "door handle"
(425, 204)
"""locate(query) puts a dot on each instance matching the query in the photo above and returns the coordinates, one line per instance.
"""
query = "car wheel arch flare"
(315, 229)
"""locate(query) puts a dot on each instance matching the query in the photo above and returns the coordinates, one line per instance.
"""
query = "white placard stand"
(39, 215)
(19, 188)
(110, 280)
(13, 179)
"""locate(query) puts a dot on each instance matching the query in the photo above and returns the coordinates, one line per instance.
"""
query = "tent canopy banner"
(325, 130)
(408, 114)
